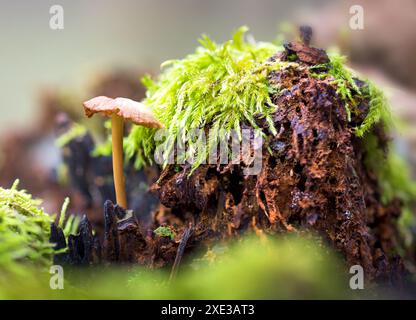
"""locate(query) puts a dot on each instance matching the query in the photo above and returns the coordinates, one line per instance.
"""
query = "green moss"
(345, 81)
(24, 231)
(379, 111)
(70, 226)
(165, 232)
(392, 171)
(77, 130)
(104, 149)
(219, 86)
(252, 269)
(406, 223)
(266, 269)
(395, 181)
(63, 213)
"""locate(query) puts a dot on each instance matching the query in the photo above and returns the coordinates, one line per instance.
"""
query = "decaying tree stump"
(313, 177)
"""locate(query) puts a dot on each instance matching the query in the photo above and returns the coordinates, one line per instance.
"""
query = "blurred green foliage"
(392, 171)
(253, 268)
(395, 181)
(76, 131)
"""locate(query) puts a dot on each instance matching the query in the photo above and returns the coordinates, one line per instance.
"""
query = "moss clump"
(165, 232)
(379, 111)
(219, 86)
(345, 80)
(24, 230)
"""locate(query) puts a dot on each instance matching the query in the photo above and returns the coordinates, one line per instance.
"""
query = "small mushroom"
(120, 109)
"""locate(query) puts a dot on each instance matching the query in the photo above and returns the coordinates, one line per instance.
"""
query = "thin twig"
(181, 249)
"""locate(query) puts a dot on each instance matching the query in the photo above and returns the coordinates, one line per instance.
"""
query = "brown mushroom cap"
(128, 109)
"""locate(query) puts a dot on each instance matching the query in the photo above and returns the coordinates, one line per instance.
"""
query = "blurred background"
(106, 46)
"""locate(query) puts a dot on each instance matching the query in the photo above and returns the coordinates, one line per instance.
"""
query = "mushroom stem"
(120, 109)
(117, 125)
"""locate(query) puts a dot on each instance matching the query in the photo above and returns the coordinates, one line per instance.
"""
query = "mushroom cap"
(128, 109)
